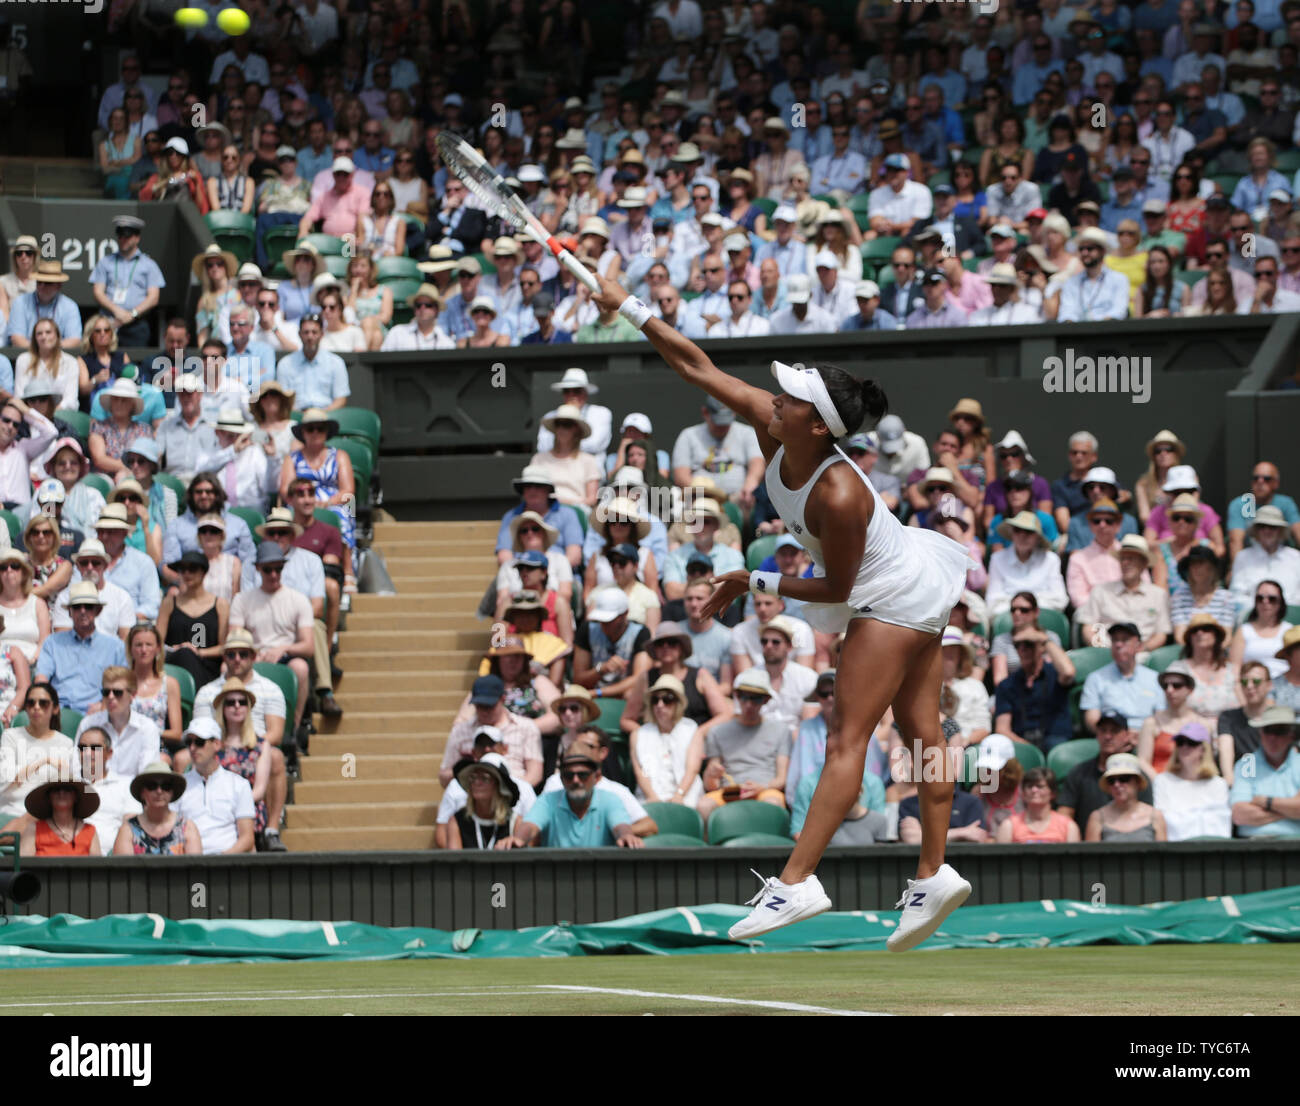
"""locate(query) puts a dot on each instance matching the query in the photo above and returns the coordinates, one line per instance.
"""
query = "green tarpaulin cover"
(65, 940)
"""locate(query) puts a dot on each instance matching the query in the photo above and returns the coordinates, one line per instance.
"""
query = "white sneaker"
(925, 904)
(778, 904)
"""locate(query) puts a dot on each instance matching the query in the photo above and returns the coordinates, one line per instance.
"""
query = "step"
(335, 745)
(382, 815)
(365, 723)
(367, 767)
(477, 530)
(369, 839)
(405, 546)
(403, 620)
(359, 698)
(475, 583)
(438, 568)
(384, 660)
(403, 679)
(421, 598)
(464, 599)
(415, 640)
(365, 791)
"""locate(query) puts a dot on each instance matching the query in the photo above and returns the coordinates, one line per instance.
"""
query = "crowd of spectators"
(1127, 620)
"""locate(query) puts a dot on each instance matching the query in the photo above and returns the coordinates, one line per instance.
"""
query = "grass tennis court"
(1166, 979)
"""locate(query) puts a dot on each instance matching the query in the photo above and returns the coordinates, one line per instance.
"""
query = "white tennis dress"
(908, 576)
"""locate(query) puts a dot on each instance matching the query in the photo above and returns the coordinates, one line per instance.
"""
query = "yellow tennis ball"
(191, 18)
(233, 21)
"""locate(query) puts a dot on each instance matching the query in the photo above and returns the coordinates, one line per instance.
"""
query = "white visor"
(807, 384)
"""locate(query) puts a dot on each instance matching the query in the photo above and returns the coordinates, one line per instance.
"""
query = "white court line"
(1230, 907)
(159, 925)
(331, 938)
(1048, 905)
(691, 920)
(793, 1006)
(218, 995)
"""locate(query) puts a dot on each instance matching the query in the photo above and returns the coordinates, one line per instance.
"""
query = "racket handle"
(576, 267)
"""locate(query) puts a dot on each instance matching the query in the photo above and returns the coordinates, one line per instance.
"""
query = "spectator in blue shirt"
(1264, 481)
(316, 155)
(938, 73)
(578, 817)
(1033, 703)
(537, 494)
(870, 315)
(1029, 78)
(127, 283)
(47, 302)
(154, 408)
(252, 363)
(317, 377)
(130, 569)
(73, 660)
(1097, 292)
(373, 156)
(205, 496)
(1124, 202)
(943, 117)
(1266, 799)
(1123, 685)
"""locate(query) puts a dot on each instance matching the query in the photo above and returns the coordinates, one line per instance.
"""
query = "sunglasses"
(45, 704)
(1176, 685)
(567, 707)
(1278, 731)
(153, 785)
(663, 700)
(828, 693)
(576, 774)
(114, 692)
(1103, 520)
(750, 697)
(1124, 779)
(191, 741)
(1164, 449)
(234, 702)
(240, 654)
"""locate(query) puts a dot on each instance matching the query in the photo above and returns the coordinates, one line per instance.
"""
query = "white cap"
(179, 145)
(1181, 476)
(608, 603)
(638, 421)
(736, 242)
(712, 219)
(866, 289)
(995, 751)
(1101, 475)
(826, 260)
(629, 476)
(1012, 440)
(530, 173)
(50, 491)
(952, 636)
(1002, 230)
(785, 213)
(798, 289)
(754, 678)
(207, 728)
(343, 165)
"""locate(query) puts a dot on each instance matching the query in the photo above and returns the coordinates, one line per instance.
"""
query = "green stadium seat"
(765, 204)
(733, 513)
(359, 423)
(69, 720)
(970, 264)
(1103, 187)
(402, 289)
(1288, 161)
(1086, 661)
(1162, 658)
(828, 199)
(485, 263)
(1293, 614)
(611, 711)
(878, 250)
(747, 816)
(96, 480)
(1227, 182)
(277, 241)
(677, 820)
(938, 177)
(390, 269)
(859, 203)
(234, 231)
(759, 841)
(759, 549)
(672, 841)
(79, 421)
(363, 464)
(620, 746)
(253, 517)
(1064, 757)
(330, 518)
(328, 245)
(15, 527)
(20, 719)
(1030, 756)
(188, 690)
(282, 676)
(167, 480)
(1190, 277)
(337, 265)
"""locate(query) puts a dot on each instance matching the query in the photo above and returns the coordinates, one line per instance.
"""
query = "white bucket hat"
(575, 378)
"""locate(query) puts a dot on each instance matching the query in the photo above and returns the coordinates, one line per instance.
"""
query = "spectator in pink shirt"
(1182, 479)
(968, 291)
(1097, 562)
(338, 209)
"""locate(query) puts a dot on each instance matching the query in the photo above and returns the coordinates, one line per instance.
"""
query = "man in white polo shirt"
(116, 615)
(900, 203)
(136, 739)
(218, 802)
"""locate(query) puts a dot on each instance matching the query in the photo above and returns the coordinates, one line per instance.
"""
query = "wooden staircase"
(371, 781)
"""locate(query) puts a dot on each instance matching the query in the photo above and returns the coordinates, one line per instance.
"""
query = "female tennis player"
(890, 587)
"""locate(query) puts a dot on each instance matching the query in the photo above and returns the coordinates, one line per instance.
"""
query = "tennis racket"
(497, 196)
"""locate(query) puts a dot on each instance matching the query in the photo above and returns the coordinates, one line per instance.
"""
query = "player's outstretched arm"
(691, 364)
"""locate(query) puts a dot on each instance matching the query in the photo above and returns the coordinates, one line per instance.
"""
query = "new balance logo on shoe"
(917, 899)
(775, 903)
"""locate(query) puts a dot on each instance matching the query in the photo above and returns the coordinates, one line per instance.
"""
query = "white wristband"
(635, 312)
(765, 583)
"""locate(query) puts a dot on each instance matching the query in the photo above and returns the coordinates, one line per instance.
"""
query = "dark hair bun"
(855, 400)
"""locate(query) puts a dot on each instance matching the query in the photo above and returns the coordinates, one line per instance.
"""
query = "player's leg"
(937, 890)
(874, 662)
